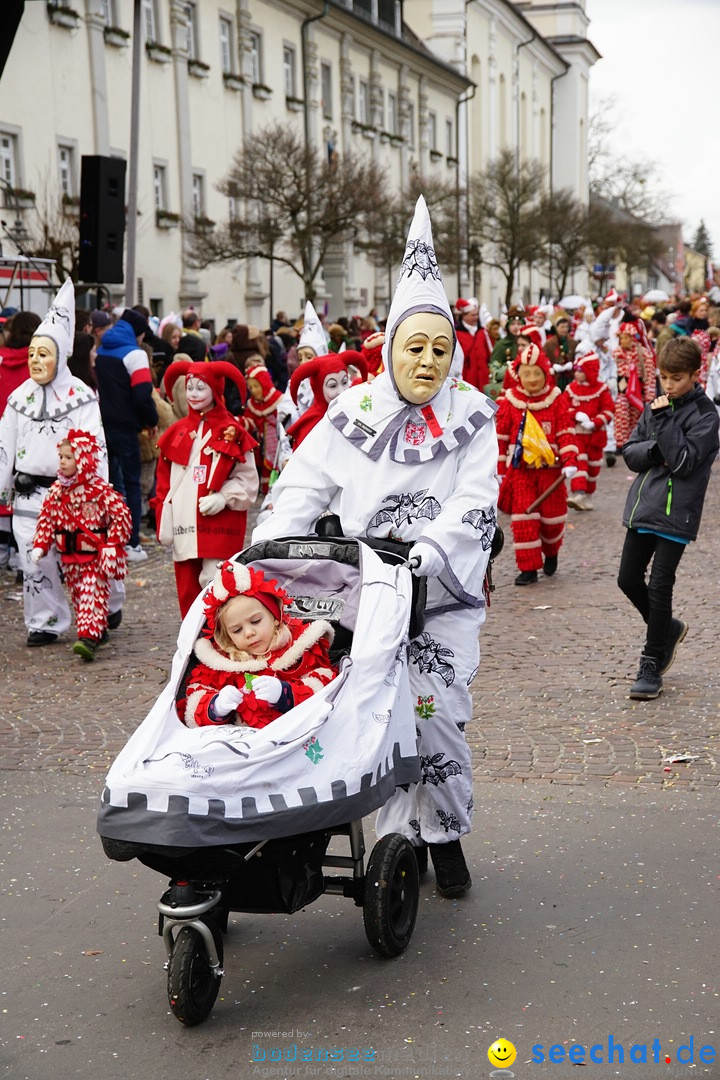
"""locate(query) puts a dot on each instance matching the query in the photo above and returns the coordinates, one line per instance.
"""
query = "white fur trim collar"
(283, 660)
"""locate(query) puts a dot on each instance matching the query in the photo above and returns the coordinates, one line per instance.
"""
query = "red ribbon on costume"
(431, 421)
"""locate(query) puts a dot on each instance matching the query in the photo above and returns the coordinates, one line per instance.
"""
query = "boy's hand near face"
(661, 402)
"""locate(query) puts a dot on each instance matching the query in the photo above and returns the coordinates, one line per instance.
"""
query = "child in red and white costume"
(273, 450)
(592, 408)
(206, 477)
(636, 375)
(329, 376)
(90, 524)
(371, 351)
(254, 663)
(540, 532)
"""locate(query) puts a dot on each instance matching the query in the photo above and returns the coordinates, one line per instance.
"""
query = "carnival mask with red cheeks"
(199, 395)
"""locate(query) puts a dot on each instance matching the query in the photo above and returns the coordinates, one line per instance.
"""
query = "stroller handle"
(413, 563)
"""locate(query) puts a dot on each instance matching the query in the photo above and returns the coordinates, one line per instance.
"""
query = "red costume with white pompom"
(595, 400)
(90, 525)
(206, 452)
(541, 532)
(317, 371)
(636, 383)
(263, 412)
(300, 657)
(371, 351)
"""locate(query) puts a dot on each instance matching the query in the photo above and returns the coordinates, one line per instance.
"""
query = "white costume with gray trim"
(392, 469)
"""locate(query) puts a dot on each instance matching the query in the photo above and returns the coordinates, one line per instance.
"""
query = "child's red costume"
(594, 399)
(301, 659)
(541, 532)
(317, 371)
(371, 351)
(90, 525)
(264, 415)
(476, 348)
(207, 452)
(636, 384)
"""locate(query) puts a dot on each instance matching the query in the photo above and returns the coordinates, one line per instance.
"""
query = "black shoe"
(114, 619)
(40, 637)
(86, 647)
(451, 872)
(648, 683)
(550, 565)
(421, 857)
(610, 460)
(528, 577)
(678, 630)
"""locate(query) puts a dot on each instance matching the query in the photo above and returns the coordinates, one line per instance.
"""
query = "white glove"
(569, 471)
(36, 554)
(431, 562)
(267, 688)
(557, 368)
(589, 426)
(212, 503)
(581, 418)
(568, 366)
(227, 700)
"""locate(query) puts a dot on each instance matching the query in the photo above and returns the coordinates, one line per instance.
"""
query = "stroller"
(241, 819)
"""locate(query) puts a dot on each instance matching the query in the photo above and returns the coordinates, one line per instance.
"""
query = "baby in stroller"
(254, 663)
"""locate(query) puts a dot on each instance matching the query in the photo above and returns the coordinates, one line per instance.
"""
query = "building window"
(411, 125)
(432, 130)
(8, 170)
(256, 57)
(198, 195)
(233, 208)
(105, 8)
(326, 89)
(65, 171)
(449, 141)
(351, 95)
(191, 40)
(226, 51)
(160, 187)
(392, 114)
(363, 109)
(149, 16)
(289, 69)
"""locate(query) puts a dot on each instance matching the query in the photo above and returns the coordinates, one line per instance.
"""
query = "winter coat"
(672, 450)
(303, 662)
(476, 351)
(124, 381)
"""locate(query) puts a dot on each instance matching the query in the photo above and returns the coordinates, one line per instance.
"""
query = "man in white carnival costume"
(412, 456)
(38, 415)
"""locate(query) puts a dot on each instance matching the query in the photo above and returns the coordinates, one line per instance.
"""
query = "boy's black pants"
(654, 598)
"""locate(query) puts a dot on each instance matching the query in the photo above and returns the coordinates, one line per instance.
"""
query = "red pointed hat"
(318, 369)
(589, 362)
(271, 394)
(236, 579)
(532, 355)
(213, 372)
(531, 332)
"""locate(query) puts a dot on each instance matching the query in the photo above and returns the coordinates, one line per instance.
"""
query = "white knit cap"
(313, 334)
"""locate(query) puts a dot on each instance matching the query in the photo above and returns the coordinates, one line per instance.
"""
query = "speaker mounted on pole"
(102, 219)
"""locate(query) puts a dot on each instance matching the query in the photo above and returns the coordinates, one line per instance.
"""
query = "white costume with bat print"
(391, 469)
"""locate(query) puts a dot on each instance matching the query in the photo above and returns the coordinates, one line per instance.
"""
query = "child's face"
(580, 375)
(249, 625)
(199, 395)
(68, 465)
(256, 390)
(532, 378)
(675, 384)
(626, 341)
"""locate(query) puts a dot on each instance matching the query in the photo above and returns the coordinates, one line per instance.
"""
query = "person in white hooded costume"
(412, 456)
(38, 415)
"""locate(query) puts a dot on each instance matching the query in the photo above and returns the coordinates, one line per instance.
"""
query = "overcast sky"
(660, 61)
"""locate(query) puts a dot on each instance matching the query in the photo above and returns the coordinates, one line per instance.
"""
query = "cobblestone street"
(551, 698)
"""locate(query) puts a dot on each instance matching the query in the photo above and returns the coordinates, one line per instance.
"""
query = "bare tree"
(503, 214)
(298, 203)
(54, 230)
(565, 223)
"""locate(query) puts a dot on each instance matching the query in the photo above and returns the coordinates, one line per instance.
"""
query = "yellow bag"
(536, 449)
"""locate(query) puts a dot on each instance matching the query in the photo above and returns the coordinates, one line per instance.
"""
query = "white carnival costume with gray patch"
(35, 420)
(388, 468)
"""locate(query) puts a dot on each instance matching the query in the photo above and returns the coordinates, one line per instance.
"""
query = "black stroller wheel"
(392, 890)
(192, 987)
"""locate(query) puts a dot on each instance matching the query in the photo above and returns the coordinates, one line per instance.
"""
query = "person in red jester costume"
(272, 451)
(636, 375)
(329, 376)
(90, 524)
(254, 662)
(538, 532)
(206, 477)
(592, 408)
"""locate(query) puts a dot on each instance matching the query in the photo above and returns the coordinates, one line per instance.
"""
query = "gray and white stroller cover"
(332, 759)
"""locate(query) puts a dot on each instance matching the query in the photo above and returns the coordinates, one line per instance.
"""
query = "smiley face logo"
(502, 1054)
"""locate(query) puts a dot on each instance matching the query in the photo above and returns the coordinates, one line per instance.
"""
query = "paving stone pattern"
(550, 698)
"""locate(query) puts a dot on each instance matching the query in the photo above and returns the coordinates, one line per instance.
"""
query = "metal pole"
(133, 159)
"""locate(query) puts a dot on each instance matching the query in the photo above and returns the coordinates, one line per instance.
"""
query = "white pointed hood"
(312, 333)
(59, 325)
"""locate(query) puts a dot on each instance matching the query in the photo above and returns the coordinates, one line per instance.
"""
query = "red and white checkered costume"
(90, 525)
(541, 532)
(626, 414)
(595, 400)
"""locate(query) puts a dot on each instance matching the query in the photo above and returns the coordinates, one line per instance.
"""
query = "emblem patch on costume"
(546, 425)
(364, 427)
(415, 433)
(199, 473)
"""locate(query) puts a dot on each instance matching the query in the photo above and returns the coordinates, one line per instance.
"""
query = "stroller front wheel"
(192, 985)
(392, 890)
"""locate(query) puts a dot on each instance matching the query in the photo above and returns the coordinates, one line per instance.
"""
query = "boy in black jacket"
(672, 448)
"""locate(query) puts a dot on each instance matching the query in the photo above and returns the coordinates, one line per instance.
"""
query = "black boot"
(40, 637)
(451, 872)
(648, 683)
(114, 619)
(610, 459)
(527, 577)
(86, 647)
(678, 630)
(550, 565)
(421, 856)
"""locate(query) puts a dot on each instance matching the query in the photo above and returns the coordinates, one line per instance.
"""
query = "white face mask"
(421, 356)
(334, 384)
(42, 360)
(199, 395)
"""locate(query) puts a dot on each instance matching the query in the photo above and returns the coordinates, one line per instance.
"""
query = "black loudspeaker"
(102, 219)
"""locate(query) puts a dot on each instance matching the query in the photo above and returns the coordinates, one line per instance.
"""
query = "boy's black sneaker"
(37, 638)
(527, 577)
(550, 565)
(451, 873)
(86, 647)
(114, 619)
(678, 630)
(648, 683)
